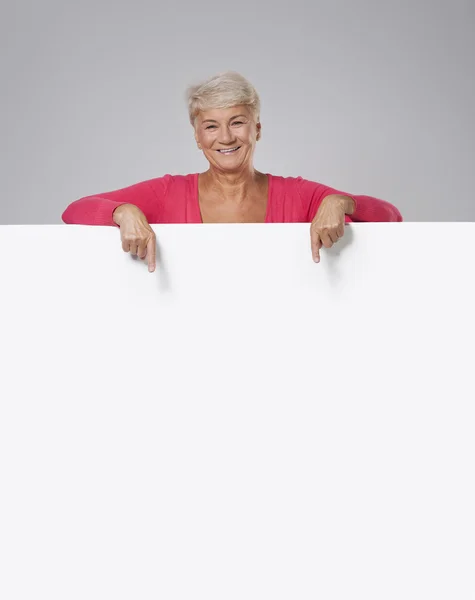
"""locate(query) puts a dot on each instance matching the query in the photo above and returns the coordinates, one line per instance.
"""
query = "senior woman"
(225, 114)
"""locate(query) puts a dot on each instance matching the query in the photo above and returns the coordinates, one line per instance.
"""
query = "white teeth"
(228, 151)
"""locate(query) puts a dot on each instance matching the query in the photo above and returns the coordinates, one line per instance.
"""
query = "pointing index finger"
(316, 245)
(152, 254)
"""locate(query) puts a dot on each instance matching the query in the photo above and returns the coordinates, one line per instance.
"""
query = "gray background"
(372, 97)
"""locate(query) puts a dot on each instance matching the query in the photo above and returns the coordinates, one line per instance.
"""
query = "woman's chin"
(232, 165)
(229, 166)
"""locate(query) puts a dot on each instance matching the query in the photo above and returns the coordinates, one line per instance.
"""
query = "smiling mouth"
(228, 150)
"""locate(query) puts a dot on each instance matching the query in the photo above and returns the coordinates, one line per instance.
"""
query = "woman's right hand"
(136, 235)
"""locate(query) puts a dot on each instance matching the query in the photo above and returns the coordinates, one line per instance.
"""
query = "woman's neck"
(233, 186)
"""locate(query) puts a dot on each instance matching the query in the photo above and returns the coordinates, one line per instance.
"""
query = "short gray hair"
(222, 91)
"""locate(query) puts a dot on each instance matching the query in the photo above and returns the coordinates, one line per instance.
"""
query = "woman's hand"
(328, 226)
(136, 235)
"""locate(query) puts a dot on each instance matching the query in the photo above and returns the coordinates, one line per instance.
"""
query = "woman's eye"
(237, 123)
(211, 126)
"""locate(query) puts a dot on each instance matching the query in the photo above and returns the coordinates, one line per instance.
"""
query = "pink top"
(174, 199)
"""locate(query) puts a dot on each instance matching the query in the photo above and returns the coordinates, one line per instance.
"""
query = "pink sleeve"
(367, 209)
(98, 209)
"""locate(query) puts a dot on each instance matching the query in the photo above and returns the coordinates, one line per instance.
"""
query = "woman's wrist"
(120, 211)
(346, 203)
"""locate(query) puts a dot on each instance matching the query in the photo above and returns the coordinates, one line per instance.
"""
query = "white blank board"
(242, 424)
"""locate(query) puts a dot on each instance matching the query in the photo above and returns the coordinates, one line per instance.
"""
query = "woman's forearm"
(367, 209)
(91, 211)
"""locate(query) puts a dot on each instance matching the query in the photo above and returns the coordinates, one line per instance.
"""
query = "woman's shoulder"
(290, 184)
(179, 178)
(297, 185)
(170, 178)
(285, 180)
(287, 185)
(297, 195)
(171, 183)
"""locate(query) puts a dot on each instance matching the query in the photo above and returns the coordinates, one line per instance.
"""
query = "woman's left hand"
(328, 226)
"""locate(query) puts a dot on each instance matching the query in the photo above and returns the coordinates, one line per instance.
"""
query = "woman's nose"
(226, 136)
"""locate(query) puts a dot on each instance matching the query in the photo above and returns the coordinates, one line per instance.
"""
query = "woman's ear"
(196, 140)
(259, 131)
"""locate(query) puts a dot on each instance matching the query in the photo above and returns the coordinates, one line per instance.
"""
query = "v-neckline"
(197, 198)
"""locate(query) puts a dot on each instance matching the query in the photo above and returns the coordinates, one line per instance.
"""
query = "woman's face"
(227, 137)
